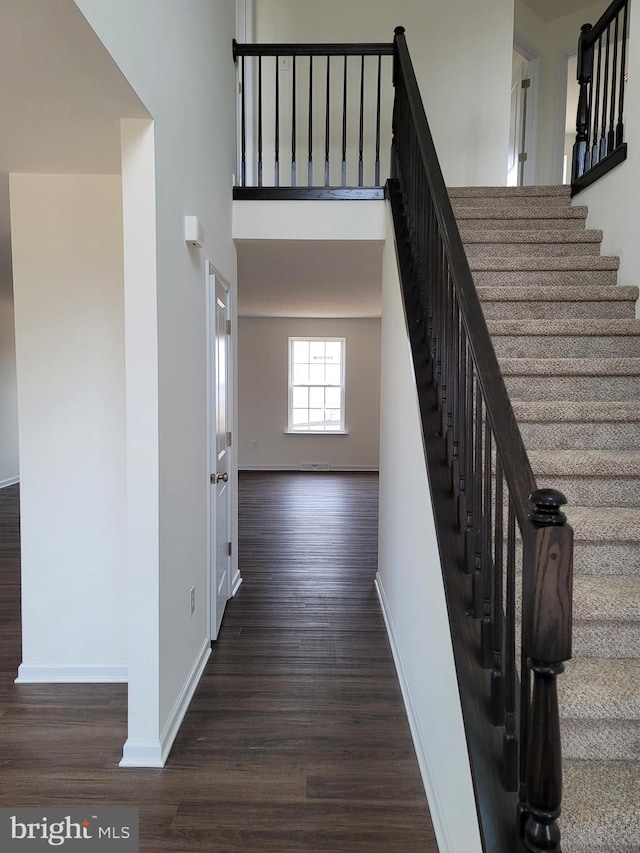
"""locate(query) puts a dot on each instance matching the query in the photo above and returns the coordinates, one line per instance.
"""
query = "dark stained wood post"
(546, 641)
(584, 73)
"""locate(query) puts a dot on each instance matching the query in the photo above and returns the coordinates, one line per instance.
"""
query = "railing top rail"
(592, 35)
(516, 465)
(327, 49)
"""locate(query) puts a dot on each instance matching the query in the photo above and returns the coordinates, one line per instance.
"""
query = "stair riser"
(555, 191)
(606, 640)
(593, 491)
(541, 278)
(601, 310)
(600, 559)
(531, 250)
(600, 739)
(578, 346)
(506, 210)
(606, 559)
(480, 223)
(581, 436)
(576, 388)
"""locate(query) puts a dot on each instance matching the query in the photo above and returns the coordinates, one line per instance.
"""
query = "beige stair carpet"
(569, 348)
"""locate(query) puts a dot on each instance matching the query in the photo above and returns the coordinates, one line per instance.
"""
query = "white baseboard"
(10, 482)
(346, 468)
(235, 582)
(437, 817)
(154, 753)
(53, 673)
(140, 753)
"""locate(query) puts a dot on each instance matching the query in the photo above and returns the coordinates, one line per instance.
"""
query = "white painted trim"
(443, 836)
(208, 272)
(155, 753)
(142, 754)
(235, 582)
(346, 468)
(51, 673)
(9, 482)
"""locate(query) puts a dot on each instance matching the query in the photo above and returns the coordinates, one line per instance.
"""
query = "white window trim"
(343, 419)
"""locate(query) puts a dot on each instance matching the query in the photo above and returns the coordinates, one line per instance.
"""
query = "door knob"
(224, 477)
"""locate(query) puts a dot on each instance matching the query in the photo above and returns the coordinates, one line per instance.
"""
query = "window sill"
(316, 432)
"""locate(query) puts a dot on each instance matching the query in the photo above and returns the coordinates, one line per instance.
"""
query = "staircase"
(569, 348)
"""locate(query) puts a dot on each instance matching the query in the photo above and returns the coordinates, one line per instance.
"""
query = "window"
(316, 385)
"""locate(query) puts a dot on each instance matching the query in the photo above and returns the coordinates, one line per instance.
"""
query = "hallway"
(297, 738)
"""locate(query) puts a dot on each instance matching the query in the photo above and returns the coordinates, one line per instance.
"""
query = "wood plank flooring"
(297, 738)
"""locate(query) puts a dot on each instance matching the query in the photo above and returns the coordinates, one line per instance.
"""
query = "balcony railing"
(602, 76)
(311, 118)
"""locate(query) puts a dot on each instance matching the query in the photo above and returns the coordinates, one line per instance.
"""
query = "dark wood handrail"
(328, 49)
(520, 476)
(603, 21)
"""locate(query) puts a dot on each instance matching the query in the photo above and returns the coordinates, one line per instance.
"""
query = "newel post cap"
(545, 507)
(398, 31)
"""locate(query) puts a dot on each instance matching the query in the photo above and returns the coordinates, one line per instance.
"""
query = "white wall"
(178, 61)
(9, 466)
(552, 42)
(69, 320)
(461, 52)
(411, 588)
(263, 388)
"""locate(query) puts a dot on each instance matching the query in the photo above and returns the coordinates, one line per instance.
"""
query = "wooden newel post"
(584, 73)
(546, 639)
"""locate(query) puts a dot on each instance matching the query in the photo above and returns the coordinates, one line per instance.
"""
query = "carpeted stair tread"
(606, 541)
(606, 639)
(536, 277)
(500, 302)
(597, 599)
(568, 411)
(597, 293)
(543, 191)
(587, 463)
(599, 740)
(529, 236)
(550, 212)
(567, 328)
(601, 807)
(486, 221)
(570, 366)
(594, 425)
(592, 690)
(527, 264)
(590, 477)
(605, 524)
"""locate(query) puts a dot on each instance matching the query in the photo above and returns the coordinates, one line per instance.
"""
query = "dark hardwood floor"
(297, 738)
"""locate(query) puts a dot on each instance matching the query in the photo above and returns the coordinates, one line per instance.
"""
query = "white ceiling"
(550, 9)
(61, 94)
(61, 98)
(301, 278)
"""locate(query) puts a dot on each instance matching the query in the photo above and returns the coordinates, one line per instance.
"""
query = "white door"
(220, 462)
(516, 162)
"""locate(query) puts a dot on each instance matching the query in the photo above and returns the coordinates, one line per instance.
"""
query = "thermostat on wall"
(193, 231)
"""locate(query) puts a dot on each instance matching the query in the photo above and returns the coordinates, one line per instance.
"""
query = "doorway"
(520, 84)
(220, 396)
(521, 158)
